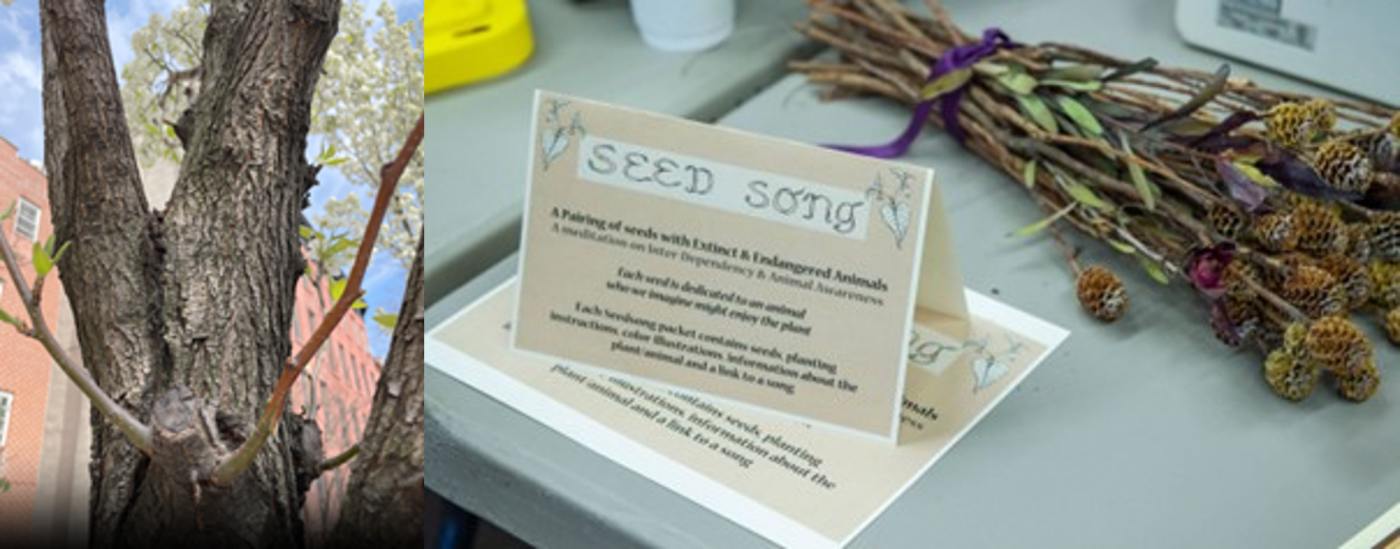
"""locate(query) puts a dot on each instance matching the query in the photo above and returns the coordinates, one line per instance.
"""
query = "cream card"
(749, 269)
(785, 480)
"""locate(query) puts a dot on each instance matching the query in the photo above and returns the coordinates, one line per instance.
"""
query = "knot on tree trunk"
(181, 440)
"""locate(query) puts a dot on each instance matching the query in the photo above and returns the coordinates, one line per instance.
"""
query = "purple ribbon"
(956, 58)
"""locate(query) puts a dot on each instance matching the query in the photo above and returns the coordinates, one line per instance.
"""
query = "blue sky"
(21, 116)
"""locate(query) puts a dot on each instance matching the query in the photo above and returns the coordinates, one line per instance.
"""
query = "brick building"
(25, 367)
(344, 376)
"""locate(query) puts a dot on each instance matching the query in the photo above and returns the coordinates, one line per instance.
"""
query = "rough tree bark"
(385, 507)
(183, 316)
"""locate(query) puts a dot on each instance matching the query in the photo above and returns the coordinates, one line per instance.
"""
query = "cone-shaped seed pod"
(1343, 166)
(1384, 235)
(1353, 277)
(1235, 277)
(1359, 242)
(1385, 284)
(1322, 114)
(1392, 325)
(1102, 293)
(1226, 221)
(1360, 384)
(1320, 230)
(1290, 377)
(1338, 345)
(1288, 125)
(1275, 232)
(1314, 291)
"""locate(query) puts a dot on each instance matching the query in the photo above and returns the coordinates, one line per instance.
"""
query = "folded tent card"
(746, 268)
(748, 321)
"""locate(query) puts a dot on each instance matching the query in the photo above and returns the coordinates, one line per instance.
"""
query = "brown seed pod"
(1275, 232)
(1359, 385)
(1290, 377)
(1392, 325)
(1288, 125)
(1322, 114)
(1102, 293)
(1314, 291)
(1226, 221)
(1343, 166)
(1359, 242)
(1385, 284)
(1320, 230)
(1383, 234)
(1236, 277)
(1338, 345)
(1351, 275)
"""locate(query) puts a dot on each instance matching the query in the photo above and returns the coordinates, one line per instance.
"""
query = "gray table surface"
(477, 134)
(1145, 433)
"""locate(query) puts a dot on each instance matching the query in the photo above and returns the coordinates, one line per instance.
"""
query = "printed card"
(741, 267)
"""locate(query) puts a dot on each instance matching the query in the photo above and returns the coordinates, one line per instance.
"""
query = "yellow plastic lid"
(471, 40)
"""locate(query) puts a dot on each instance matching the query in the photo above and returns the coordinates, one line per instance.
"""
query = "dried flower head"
(1226, 221)
(1275, 232)
(1359, 385)
(1289, 125)
(1351, 275)
(1314, 291)
(1290, 377)
(1385, 284)
(1383, 234)
(1237, 276)
(1319, 228)
(1102, 293)
(1344, 166)
(1338, 345)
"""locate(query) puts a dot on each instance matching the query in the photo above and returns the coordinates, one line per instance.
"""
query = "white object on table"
(685, 25)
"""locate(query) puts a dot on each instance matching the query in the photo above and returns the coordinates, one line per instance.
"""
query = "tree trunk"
(385, 505)
(184, 317)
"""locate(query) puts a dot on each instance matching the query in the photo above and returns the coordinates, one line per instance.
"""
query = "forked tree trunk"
(184, 316)
(385, 504)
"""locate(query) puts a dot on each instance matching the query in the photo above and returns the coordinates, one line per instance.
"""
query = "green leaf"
(1121, 247)
(946, 83)
(340, 244)
(9, 211)
(1087, 86)
(308, 232)
(336, 161)
(387, 320)
(1080, 115)
(1154, 270)
(991, 69)
(1247, 169)
(1018, 82)
(42, 263)
(1084, 195)
(48, 246)
(1042, 224)
(169, 131)
(1028, 173)
(359, 304)
(1145, 188)
(1035, 108)
(337, 288)
(7, 319)
(1074, 73)
(61, 249)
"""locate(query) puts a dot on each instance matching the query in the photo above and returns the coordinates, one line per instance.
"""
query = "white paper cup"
(683, 25)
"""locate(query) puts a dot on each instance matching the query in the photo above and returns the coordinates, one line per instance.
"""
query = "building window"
(27, 220)
(6, 402)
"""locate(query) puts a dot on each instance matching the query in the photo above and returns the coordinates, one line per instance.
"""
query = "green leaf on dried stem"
(1121, 247)
(1080, 115)
(946, 83)
(1073, 73)
(1028, 173)
(1082, 194)
(1042, 224)
(1254, 174)
(1145, 188)
(1154, 270)
(1038, 111)
(1018, 81)
(1087, 86)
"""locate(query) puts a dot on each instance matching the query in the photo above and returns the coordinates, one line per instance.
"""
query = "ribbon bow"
(956, 58)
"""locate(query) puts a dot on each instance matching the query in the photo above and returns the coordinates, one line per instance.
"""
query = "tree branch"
(240, 459)
(139, 433)
(339, 460)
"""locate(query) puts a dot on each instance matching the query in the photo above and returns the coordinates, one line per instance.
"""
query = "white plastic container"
(684, 25)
